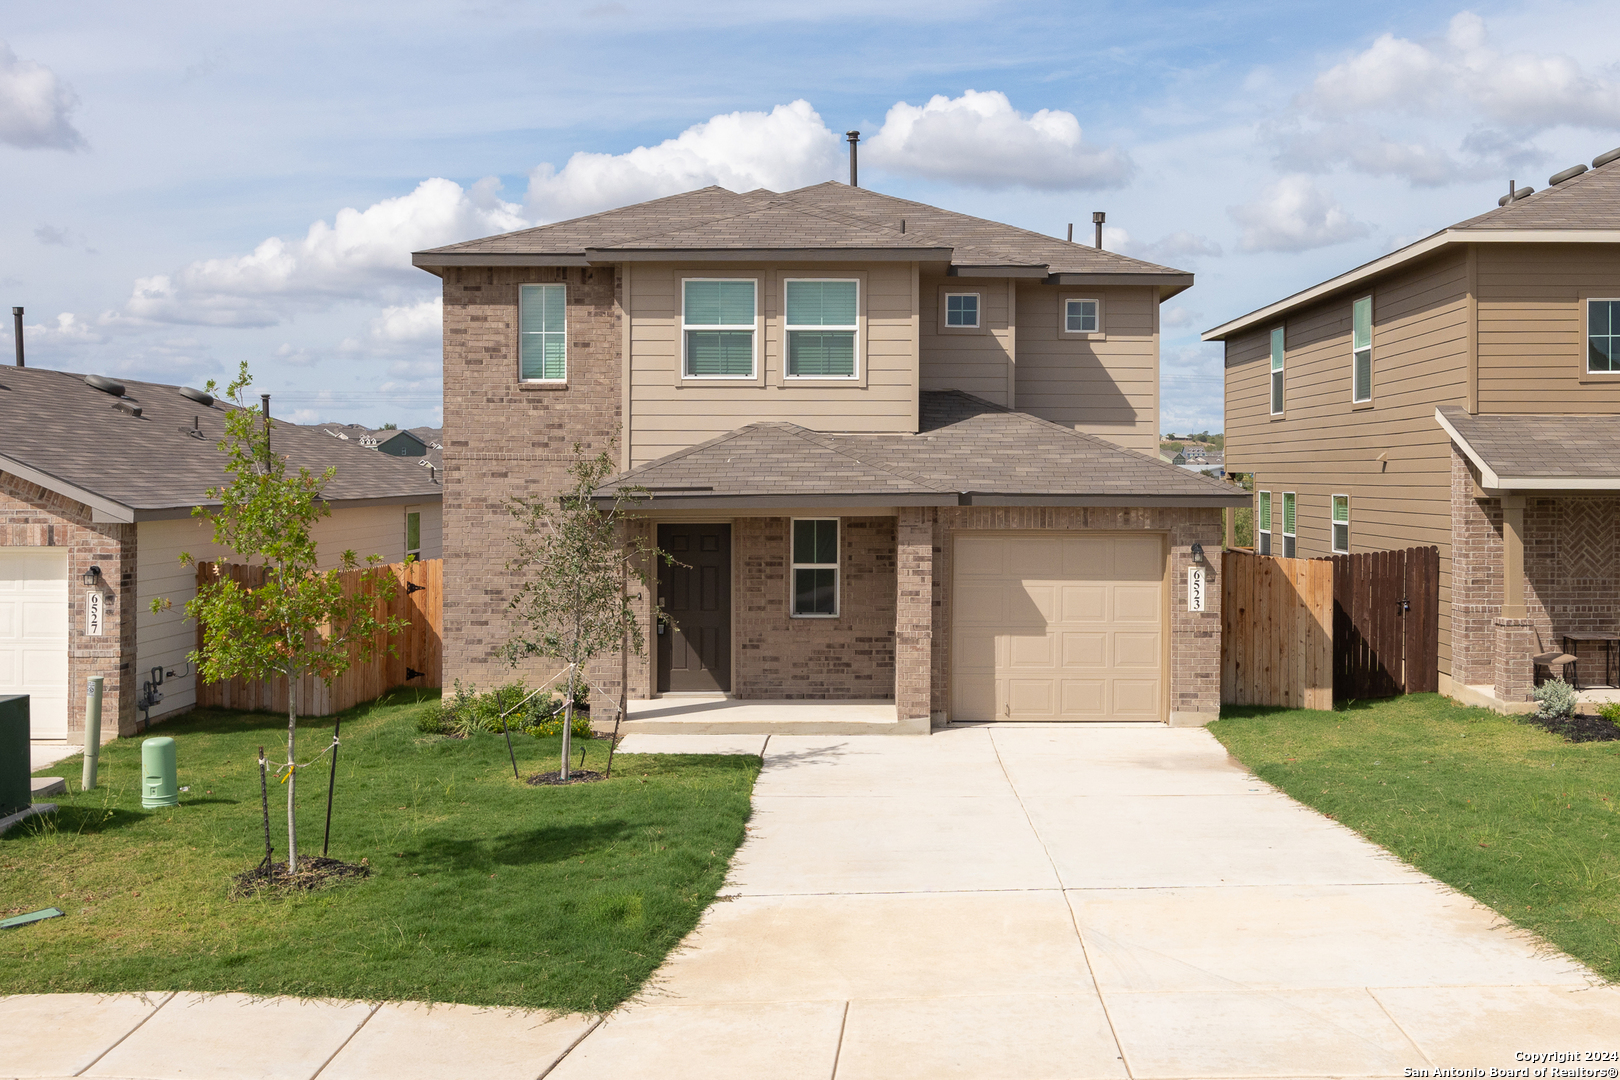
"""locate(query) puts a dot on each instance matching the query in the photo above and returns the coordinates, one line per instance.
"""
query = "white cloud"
(410, 322)
(295, 355)
(981, 140)
(361, 255)
(35, 106)
(1369, 151)
(1295, 215)
(1178, 317)
(68, 329)
(785, 148)
(51, 235)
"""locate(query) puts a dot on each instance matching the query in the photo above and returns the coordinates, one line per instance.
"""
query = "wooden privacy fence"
(1386, 623)
(416, 659)
(1276, 631)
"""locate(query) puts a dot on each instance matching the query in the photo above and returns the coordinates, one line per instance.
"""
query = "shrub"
(1610, 711)
(1555, 700)
(553, 726)
(431, 722)
(466, 711)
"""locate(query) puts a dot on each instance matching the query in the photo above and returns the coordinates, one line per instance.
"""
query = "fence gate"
(1276, 631)
(1386, 623)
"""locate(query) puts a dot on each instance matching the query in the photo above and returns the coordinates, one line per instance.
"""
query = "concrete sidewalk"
(1107, 901)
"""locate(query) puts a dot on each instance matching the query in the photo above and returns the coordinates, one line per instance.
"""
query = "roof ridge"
(619, 478)
(826, 442)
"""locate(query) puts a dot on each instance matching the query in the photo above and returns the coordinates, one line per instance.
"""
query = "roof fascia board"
(1487, 475)
(170, 513)
(985, 271)
(978, 498)
(429, 260)
(1405, 255)
(103, 509)
(1164, 281)
(739, 502)
(604, 256)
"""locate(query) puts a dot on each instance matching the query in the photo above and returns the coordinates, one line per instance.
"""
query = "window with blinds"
(1277, 371)
(542, 333)
(717, 327)
(1262, 531)
(1290, 542)
(821, 326)
(1341, 524)
(1361, 350)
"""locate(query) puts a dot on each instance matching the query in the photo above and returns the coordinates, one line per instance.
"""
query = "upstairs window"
(1277, 371)
(1603, 335)
(1262, 530)
(815, 567)
(1361, 350)
(413, 535)
(542, 333)
(717, 327)
(1341, 524)
(962, 310)
(821, 328)
(1290, 541)
(1081, 316)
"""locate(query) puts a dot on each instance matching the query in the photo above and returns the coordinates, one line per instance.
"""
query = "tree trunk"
(292, 773)
(568, 720)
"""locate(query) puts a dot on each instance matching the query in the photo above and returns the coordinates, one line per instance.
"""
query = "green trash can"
(159, 784)
(15, 791)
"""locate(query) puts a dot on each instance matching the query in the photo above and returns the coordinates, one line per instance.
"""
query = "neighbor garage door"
(34, 635)
(1057, 627)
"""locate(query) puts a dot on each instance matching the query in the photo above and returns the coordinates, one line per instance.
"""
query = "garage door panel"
(980, 556)
(1136, 650)
(34, 635)
(980, 605)
(1032, 697)
(1136, 561)
(1088, 558)
(1035, 557)
(1085, 650)
(1138, 603)
(975, 697)
(1037, 608)
(1026, 651)
(1085, 603)
(1085, 699)
(1136, 698)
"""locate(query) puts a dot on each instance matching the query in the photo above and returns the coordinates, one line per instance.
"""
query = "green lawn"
(484, 891)
(1506, 812)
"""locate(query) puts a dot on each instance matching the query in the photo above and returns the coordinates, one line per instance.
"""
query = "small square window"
(1081, 316)
(815, 567)
(962, 309)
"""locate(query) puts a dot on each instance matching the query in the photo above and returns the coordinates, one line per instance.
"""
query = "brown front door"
(694, 648)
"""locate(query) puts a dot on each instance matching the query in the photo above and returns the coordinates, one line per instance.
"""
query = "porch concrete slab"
(1315, 937)
(719, 715)
(962, 764)
(935, 1038)
(899, 843)
(693, 744)
(1288, 1033)
(1118, 841)
(1487, 1026)
(413, 1041)
(234, 1037)
(62, 1034)
(831, 948)
(784, 1041)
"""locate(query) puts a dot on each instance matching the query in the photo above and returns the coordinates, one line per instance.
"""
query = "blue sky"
(187, 186)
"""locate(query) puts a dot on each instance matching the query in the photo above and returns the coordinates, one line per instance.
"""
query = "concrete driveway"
(1105, 901)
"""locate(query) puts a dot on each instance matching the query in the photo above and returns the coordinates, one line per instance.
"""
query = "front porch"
(719, 714)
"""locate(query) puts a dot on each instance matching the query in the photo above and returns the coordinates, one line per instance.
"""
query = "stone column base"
(1515, 645)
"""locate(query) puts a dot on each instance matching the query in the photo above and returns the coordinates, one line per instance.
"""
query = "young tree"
(300, 620)
(574, 605)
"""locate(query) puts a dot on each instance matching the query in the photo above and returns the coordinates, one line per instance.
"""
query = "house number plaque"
(1195, 588)
(92, 614)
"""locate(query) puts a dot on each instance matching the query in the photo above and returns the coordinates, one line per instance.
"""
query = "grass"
(1510, 814)
(484, 890)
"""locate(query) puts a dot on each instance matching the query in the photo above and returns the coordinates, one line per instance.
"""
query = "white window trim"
(1333, 524)
(788, 328)
(1586, 335)
(1268, 515)
(753, 327)
(837, 568)
(563, 285)
(1286, 534)
(978, 311)
(1273, 398)
(1354, 400)
(1063, 315)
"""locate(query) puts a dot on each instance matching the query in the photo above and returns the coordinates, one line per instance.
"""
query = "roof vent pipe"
(853, 137)
(1097, 219)
(1071, 232)
(16, 329)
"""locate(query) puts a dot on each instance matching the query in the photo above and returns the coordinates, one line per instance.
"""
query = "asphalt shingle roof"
(55, 423)
(1588, 201)
(965, 446)
(1541, 447)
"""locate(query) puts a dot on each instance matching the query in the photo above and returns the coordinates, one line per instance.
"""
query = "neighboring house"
(97, 483)
(423, 443)
(1463, 392)
(901, 454)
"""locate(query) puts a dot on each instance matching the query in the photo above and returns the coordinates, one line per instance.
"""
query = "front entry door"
(694, 648)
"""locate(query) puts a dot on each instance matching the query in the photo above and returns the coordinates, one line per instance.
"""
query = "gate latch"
(1403, 606)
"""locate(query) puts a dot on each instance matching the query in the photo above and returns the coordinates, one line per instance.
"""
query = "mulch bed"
(554, 778)
(1580, 728)
(313, 873)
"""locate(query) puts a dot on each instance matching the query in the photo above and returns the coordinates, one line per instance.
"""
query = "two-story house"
(1462, 392)
(901, 455)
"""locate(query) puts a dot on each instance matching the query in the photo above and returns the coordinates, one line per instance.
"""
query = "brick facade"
(914, 613)
(505, 439)
(30, 516)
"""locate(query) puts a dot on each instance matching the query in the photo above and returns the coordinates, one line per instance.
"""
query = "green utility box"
(15, 793)
(160, 785)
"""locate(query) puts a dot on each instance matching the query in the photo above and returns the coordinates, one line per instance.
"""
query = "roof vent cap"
(105, 385)
(1603, 159)
(1568, 174)
(127, 407)
(1521, 193)
(201, 397)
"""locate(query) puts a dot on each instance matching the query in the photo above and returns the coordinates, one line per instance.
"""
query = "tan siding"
(667, 417)
(1107, 387)
(973, 363)
(1531, 353)
(1323, 446)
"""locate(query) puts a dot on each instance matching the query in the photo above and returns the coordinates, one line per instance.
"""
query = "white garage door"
(34, 635)
(1057, 627)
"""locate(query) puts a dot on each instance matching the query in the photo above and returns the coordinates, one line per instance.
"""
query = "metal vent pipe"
(853, 137)
(1097, 219)
(16, 329)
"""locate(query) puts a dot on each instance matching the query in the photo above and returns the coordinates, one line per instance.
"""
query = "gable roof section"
(967, 453)
(823, 221)
(62, 434)
(1582, 210)
(1525, 452)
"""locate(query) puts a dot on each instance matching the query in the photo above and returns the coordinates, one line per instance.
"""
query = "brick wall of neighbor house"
(1194, 638)
(30, 516)
(504, 439)
(778, 656)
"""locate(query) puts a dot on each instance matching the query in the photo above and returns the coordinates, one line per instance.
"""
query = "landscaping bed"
(1511, 814)
(482, 890)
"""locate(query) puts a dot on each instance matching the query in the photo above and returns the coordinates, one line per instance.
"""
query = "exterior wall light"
(92, 576)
